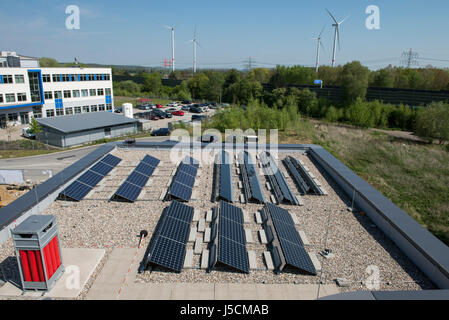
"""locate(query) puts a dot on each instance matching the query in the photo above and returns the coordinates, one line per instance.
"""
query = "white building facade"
(51, 92)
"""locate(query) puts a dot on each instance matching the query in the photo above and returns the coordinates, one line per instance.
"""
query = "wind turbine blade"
(322, 31)
(332, 16)
(343, 20)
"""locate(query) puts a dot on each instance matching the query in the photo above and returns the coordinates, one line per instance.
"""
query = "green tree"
(35, 127)
(383, 78)
(48, 62)
(355, 81)
(433, 122)
(198, 86)
(152, 82)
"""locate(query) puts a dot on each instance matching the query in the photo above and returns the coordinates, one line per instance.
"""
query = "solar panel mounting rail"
(227, 246)
(78, 189)
(302, 176)
(281, 189)
(130, 189)
(167, 247)
(284, 242)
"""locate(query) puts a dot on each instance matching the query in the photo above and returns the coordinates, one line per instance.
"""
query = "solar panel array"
(231, 248)
(304, 181)
(181, 187)
(251, 184)
(277, 180)
(87, 181)
(167, 247)
(132, 186)
(292, 246)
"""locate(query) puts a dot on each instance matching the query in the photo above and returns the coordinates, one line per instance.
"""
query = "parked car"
(186, 102)
(197, 117)
(161, 114)
(178, 113)
(154, 117)
(145, 107)
(168, 115)
(171, 109)
(196, 109)
(185, 108)
(159, 106)
(161, 132)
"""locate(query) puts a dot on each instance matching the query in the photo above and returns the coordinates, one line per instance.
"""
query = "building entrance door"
(24, 118)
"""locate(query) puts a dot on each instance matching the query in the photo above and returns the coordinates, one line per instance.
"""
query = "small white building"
(48, 92)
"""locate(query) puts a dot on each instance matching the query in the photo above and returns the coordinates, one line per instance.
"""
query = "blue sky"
(271, 32)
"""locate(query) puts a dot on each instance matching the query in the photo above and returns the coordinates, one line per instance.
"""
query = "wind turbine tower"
(336, 25)
(195, 43)
(318, 49)
(172, 29)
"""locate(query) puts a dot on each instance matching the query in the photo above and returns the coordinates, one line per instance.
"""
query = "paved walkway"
(116, 281)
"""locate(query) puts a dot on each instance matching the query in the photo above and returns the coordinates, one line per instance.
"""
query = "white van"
(27, 133)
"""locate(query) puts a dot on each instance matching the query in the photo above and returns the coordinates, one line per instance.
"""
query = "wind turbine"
(172, 29)
(336, 35)
(319, 44)
(195, 43)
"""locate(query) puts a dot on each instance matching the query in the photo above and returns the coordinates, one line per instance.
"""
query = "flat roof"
(85, 121)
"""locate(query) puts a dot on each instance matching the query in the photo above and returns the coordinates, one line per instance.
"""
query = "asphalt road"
(38, 168)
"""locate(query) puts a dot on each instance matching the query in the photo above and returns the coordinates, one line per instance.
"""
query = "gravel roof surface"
(355, 241)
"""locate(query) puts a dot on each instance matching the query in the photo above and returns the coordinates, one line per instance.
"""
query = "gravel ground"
(356, 243)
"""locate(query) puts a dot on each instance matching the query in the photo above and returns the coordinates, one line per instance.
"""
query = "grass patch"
(413, 175)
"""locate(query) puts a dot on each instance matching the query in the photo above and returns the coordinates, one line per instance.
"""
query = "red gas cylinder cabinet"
(38, 252)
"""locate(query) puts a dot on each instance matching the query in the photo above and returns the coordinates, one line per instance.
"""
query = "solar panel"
(101, 168)
(191, 161)
(296, 256)
(111, 160)
(231, 230)
(145, 169)
(152, 161)
(185, 168)
(256, 189)
(180, 191)
(277, 213)
(185, 179)
(137, 178)
(168, 245)
(128, 191)
(168, 253)
(175, 229)
(233, 254)
(277, 180)
(287, 232)
(231, 212)
(180, 211)
(292, 247)
(87, 181)
(131, 188)
(226, 190)
(90, 178)
(76, 191)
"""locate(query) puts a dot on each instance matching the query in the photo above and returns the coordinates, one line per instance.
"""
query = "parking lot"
(163, 123)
